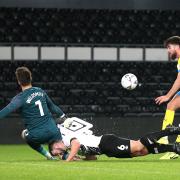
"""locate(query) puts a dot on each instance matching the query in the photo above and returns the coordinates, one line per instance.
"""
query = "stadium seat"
(89, 26)
(99, 92)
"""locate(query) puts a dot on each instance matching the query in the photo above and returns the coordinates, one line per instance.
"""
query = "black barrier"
(10, 130)
(131, 127)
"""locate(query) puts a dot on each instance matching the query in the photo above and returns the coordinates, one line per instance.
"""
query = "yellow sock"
(178, 139)
(168, 119)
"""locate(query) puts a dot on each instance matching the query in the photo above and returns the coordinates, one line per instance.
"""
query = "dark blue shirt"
(35, 106)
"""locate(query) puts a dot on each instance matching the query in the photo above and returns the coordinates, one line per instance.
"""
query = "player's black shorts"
(114, 146)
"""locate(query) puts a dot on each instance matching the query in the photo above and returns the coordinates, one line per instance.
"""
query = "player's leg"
(39, 148)
(114, 146)
(139, 148)
(36, 146)
(150, 141)
(172, 106)
(155, 136)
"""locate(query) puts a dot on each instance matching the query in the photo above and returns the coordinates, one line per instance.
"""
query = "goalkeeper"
(35, 107)
(109, 144)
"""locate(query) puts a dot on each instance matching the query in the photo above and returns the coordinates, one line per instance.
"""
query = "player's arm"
(53, 108)
(15, 103)
(175, 87)
(75, 146)
(172, 91)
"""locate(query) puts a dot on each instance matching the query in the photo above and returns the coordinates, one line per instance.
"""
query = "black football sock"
(150, 140)
(155, 136)
(156, 148)
(161, 148)
(148, 143)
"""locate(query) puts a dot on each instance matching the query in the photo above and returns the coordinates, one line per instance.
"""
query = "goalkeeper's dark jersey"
(35, 106)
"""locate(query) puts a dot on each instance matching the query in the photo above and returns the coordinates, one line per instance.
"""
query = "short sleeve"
(178, 65)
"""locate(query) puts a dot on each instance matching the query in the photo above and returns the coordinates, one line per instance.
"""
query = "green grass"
(20, 162)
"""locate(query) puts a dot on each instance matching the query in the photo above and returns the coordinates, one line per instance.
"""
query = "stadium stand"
(90, 87)
(87, 26)
(95, 89)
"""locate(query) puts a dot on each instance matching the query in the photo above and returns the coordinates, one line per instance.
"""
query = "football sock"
(178, 139)
(150, 140)
(155, 136)
(40, 149)
(156, 148)
(161, 148)
(44, 152)
(168, 119)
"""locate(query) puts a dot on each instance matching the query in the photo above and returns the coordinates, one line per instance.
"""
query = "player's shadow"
(135, 161)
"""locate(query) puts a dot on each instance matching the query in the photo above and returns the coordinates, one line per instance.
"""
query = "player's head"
(173, 46)
(24, 76)
(57, 148)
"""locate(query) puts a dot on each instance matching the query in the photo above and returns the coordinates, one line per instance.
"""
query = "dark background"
(132, 127)
(128, 127)
(94, 4)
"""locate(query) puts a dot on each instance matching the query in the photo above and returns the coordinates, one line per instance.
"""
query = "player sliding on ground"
(36, 108)
(109, 144)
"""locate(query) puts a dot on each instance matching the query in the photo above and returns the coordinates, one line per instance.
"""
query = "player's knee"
(171, 105)
(174, 104)
(24, 133)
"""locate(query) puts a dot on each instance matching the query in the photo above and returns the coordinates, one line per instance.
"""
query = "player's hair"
(23, 75)
(172, 40)
(50, 145)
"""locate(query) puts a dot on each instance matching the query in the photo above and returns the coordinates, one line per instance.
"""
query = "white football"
(129, 81)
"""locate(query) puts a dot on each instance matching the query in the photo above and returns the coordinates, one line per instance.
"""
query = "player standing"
(173, 47)
(36, 108)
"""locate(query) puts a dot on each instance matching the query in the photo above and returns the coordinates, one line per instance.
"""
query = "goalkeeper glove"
(68, 122)
(61, 119)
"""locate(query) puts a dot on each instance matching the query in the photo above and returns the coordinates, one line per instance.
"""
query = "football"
(129, 81)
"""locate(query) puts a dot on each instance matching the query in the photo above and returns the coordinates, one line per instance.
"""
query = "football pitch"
(20, 162)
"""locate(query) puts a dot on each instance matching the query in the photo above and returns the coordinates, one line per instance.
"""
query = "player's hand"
(76, 158)
(60, 120)
(161, 99)
(68, 122)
